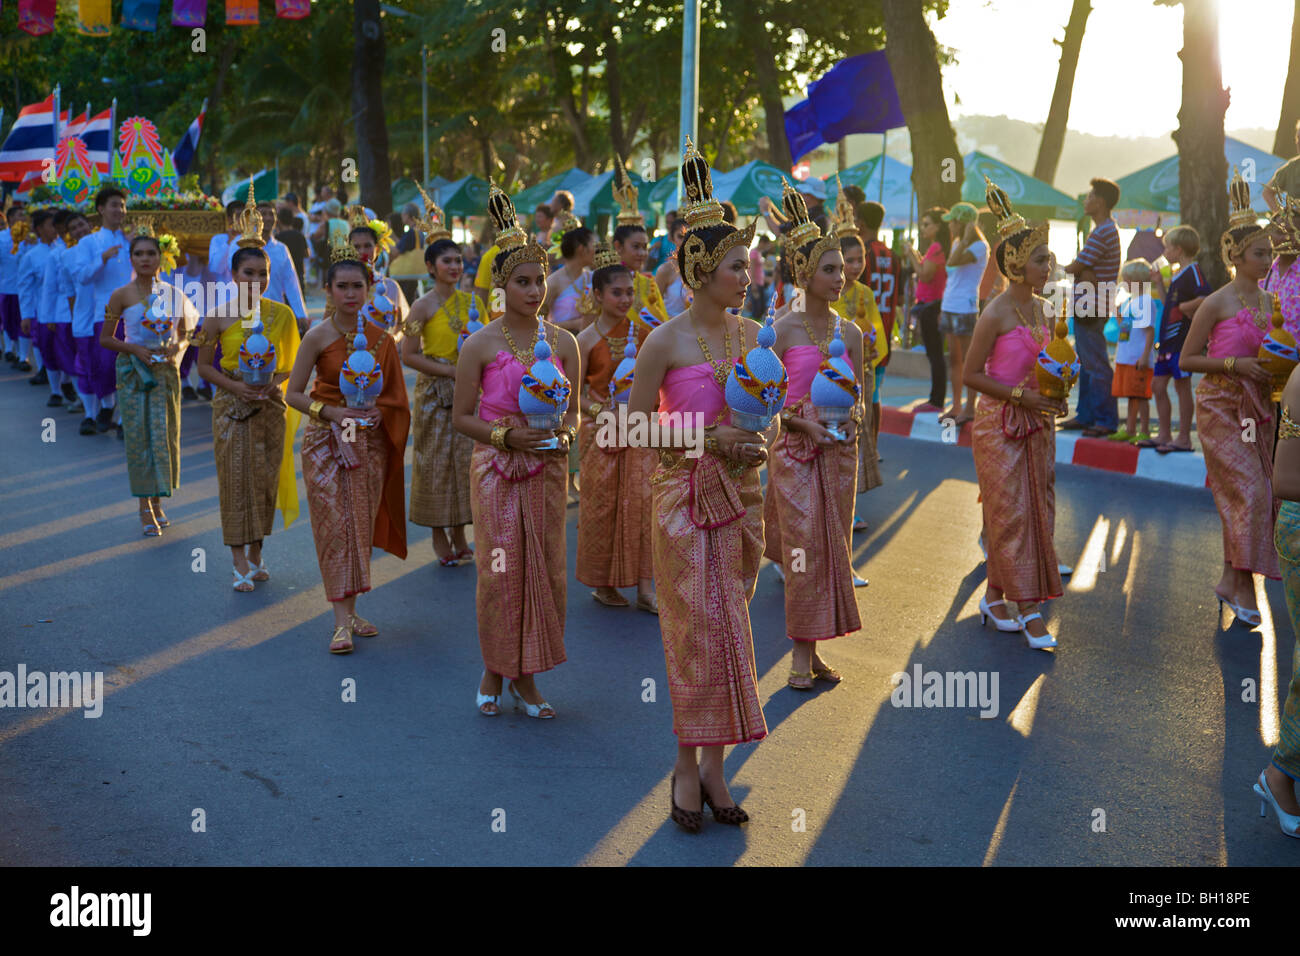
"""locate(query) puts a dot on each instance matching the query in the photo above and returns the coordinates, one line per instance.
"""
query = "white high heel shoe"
(481, 699)
(532, 710)
(1037, 643)
(1289, 822)
(1245, 616)
(1009, 625)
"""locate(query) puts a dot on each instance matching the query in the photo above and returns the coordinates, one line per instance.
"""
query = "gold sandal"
(621, 602)
(828, 674)
(649, 604)
(362, 627)
(795, 675)
(341, 642)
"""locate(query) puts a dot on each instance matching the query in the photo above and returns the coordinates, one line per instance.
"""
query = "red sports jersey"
(883, 266)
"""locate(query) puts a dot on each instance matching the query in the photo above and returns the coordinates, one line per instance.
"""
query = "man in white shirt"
(284, 285)
(31, 281)
(99, 264)
(59, 292)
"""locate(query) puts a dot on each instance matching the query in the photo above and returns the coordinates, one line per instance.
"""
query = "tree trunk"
(614, 90)
(368, 107)
(212, 134)
(769, 88)
(1284, 142)
(1202, 168)
(562, 83)
(912, 53)
(1049, 149)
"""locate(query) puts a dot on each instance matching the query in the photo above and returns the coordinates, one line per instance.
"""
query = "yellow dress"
(858, 304)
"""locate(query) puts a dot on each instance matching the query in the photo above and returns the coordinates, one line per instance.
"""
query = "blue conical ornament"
(757, 385)
(544, 391)
(472, 325)
(835, 390)
(381, 311)
(361, 378)
(257, 354)
(620, 386)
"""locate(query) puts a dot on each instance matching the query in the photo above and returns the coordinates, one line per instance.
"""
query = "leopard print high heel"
(734, 816)
(689, 820)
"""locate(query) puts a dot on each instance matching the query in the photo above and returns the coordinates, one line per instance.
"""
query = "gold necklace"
(526, 360)
(616, 345)
(1036, 328)
(1257, 313)
(823, 347)
(720, 372)
(454, 320)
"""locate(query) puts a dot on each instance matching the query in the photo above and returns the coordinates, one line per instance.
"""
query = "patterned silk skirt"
(1240, 470)
(808, 523)
(1015, 461)
(248, 441)
(345, 481)
(519, 502)
(1287, 539)
(868, 467)
(615, 549)
(150, 399)
(440, 466)
(708, 541)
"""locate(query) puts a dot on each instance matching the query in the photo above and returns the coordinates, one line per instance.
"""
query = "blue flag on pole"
(857, 95)
(801, 130)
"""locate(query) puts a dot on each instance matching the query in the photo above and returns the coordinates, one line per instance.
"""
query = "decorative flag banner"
(140, 14)
(30, 141)
(292, 9)
(95, 18)
(184, 152)
(241, 13)
(36, 17)
(74, 127)
(856, 95)
(801, 129)
(189, 13)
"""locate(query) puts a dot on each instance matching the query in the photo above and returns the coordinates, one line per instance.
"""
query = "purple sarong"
(96, 365)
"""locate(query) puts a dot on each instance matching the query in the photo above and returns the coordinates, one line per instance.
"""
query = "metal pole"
(690, 83)
(884, 138)
(56, 117)
(424, 100)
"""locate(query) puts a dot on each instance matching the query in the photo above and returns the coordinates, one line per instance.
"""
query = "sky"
(1129, 78)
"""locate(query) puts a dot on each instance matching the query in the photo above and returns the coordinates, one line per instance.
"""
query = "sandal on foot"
(647, 603)
(341, 642)
(482, 700)
(150, 527)
(241, 580)
(259, 572)
(532, 710)
(451, 561)
(462, 555)
(361, 627)
(828, 674)
(608, 602)
(859, 524)
(805, 681)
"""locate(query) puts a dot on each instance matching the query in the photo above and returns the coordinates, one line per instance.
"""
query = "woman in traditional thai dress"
(252, 426)
(440, 486)
(614, 515)
(156, 322)
(351, 454)
(569, 303)
(1233, 399)
(1013, 437)
(811, 473)
(708, 510)
(517, 473)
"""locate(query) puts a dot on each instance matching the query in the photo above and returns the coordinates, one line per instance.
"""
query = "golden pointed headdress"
(1241, 219)
(144, 227)
(1018, 237)
(605, 257)
(700, 212)
(357, 217)
(844, 222)
(1285, 222)
(250, 222)
(432, 222)
(803, 261)
(625, 196)
(514, 245)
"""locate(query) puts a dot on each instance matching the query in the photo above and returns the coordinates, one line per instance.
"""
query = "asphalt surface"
(229, 702)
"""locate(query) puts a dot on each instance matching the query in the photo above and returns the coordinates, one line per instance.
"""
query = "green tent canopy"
(744, 185)
(404, 191)
(1155, 187)
(662, 195)
(1030, 197)
(897, 195)
(466, 196)
(571, 179)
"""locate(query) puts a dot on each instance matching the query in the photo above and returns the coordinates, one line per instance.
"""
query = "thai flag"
(74, 127)
(30, 141)
(98, 135)
(184, 152)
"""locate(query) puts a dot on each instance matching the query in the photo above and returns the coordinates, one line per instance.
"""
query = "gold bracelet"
(786, 415)
(498, 438)
(572, 432)
(314, 410)
(594, 409)
(858, 413)
(1017, 393)
(1228, 363)
(711, 445)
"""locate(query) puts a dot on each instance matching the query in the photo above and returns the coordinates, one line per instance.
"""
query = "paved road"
(229, 702)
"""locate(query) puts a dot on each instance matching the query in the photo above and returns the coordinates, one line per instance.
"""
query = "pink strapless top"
(501, 378)
(1237, 336)
(801, 364)
(1012, 360)
(692, 388)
